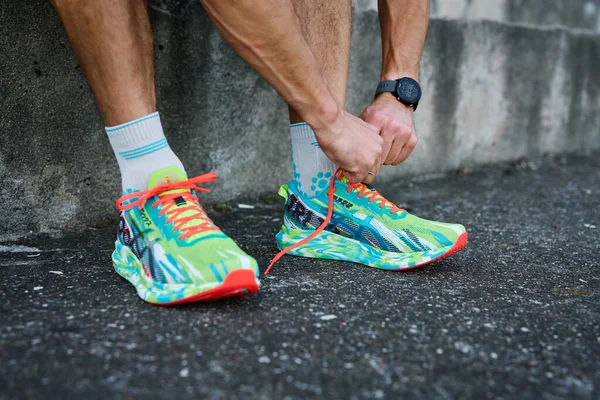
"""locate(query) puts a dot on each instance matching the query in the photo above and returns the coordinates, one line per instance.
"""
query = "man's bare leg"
(112, 40)
(157, 248)
(363, 226)
(268, 36)
(326, 26)
(113, 43)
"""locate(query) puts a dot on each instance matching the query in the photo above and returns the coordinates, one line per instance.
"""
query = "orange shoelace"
(372, 194)
(197, 220)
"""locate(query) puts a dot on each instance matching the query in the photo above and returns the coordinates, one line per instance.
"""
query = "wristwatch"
(406, 90)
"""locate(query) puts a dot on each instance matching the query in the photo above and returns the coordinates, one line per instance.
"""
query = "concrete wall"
(581, 14)
(492, 92)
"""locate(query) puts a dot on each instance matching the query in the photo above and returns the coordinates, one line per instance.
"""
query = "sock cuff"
(302, 131)
(130, 135)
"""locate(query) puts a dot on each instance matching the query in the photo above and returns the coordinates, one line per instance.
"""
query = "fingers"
(385, 144)
(369, 166)
(352, 176)
(397, 154)
(406, 150)
(373, 171)
(394, 152)
(401, 135)
(372, 174)
(397, 135)
(360, 150)
(370, 177)
(388, 146)
(367, 173)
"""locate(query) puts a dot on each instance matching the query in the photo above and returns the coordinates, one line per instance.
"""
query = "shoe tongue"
(341, 177)
(173, 174)
(167, 175)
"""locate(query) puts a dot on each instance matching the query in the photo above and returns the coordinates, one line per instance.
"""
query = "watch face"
(408, 90)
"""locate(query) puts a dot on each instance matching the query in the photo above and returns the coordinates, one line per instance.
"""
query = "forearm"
(403, 30)
(268, 36)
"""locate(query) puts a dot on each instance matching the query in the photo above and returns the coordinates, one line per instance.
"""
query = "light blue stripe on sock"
(137, 121)
(298, 124)
(144, 147)
(149, 151)
(144, 150)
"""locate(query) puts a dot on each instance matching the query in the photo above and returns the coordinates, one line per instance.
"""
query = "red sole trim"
(239, 282)
(461, 242)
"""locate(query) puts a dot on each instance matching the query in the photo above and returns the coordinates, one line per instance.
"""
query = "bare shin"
(113, 43)
(327, 26)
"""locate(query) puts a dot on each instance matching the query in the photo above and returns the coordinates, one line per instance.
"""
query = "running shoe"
(170, 250)
(353, 222)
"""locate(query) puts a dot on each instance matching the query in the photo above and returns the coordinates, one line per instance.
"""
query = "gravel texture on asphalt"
(514, 315)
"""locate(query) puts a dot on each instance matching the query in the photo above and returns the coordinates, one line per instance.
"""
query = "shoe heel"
(125, 262)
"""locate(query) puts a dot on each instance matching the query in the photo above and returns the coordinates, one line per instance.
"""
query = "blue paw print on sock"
(297, 178)
(296, 175)
(320, 181)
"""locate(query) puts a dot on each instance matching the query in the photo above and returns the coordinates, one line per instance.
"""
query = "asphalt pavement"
(514, 315)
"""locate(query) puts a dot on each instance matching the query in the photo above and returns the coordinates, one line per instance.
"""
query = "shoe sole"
(330, 246)
(238, 282)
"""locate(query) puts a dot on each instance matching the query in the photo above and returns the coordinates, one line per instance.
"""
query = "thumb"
(353, 177)
(364, 115)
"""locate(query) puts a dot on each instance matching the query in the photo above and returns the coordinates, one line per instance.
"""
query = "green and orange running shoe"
(353, 222)
(170, 250)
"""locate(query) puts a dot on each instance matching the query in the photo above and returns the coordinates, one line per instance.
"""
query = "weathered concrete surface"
(579, 14)
(493, 92)
(514, 316)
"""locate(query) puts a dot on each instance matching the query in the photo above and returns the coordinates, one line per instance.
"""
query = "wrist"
(323, 113)
(405, 90)
(392, 74)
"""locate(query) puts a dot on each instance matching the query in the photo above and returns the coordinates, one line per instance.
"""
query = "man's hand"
(353, 145)
(396, 126)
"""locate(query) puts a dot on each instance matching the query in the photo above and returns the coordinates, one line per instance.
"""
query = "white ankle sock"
(141, 148)
(312, 169)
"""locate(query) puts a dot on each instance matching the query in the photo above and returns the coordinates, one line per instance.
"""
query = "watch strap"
(392, 87)
(386, 87)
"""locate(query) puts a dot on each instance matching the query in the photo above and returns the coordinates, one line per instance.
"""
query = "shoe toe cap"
(241, 260)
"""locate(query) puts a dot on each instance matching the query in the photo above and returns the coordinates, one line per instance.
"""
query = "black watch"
(406, 90)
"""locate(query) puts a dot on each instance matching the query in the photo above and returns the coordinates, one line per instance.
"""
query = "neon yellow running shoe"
(170, 250)
(353, 222)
